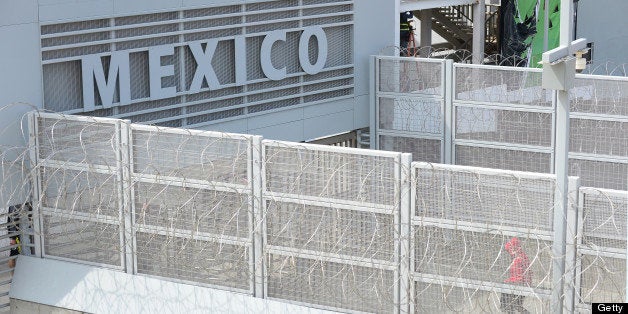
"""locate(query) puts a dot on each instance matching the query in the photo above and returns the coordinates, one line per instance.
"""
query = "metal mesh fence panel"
(605, 174)
(305, 171)
(504, 126)
(410, 117)
(410, 76)
(422, 149)
(597, 94)
(470, 228)
(193, 260)
(329, 227)
(79, 168)
(331, 218)
(336, 285)
(499, 158)
(501, 118)
(465, 194)
(601, 271)
(69, 237)
(491, 84)
(77, 141)
(192, 206)
(65, 46)
(448, 298)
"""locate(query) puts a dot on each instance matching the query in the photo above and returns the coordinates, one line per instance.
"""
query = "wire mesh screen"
(305, 170)
(501, 118)
(505, 85)
(331, 225)
(134, 38)
(192, 205)
(598, 94)
(602, 248)
(79, 188)
(500, 158)
(466, 194)
(336, 285)
(410, 76)
(428, 150)
(471, 228)
(410, 107)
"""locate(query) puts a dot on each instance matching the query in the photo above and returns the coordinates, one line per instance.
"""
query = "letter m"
(92, 69)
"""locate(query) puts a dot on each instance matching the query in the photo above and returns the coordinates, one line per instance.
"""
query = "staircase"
(455, 24)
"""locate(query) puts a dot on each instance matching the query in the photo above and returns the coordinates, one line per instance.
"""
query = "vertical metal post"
(374, 77)
(562, 168)
(258, 228)
(579, 234)
(448, 117)
(127, 212)
(35, 174)
(405, 212)
(479, 31)
(411, 260)
(571, 245)
(426, 31)
(397, 236)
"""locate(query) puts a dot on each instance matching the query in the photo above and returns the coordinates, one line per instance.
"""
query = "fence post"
(128, 215)
(258, 227)
(374, 114)
(405, 212)
(571, 245)
(448, 118)
(35, 181)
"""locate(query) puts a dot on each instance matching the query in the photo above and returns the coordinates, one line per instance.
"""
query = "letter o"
(304, 48)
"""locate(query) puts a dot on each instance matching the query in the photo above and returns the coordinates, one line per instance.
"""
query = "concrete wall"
(49, 286)
(604, 23)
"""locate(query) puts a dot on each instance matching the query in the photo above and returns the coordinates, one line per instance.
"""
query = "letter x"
(204, 69)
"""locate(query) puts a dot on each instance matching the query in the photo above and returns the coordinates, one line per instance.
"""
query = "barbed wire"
(325, 218)
(597, 67)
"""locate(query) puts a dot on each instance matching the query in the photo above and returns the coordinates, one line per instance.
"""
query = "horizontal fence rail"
(330, 227)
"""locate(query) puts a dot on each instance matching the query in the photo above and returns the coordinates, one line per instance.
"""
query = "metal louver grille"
(64, 45)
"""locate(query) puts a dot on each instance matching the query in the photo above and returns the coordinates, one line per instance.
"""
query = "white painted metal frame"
(388, 209)
(498, 106)
(248, 189)
(583, 250)
(443, 98)
(416, 221)
(38, 163)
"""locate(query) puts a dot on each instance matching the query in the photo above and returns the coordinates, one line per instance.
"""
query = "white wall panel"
(374, 30)
(20, 81)
(124, 7)
(328, 108)
(291, 131)
(75, 10)
(18, 12)
(326, 125)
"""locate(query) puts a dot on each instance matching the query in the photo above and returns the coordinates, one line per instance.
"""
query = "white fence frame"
(402, 211)
(599, 251)
(451, 104)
